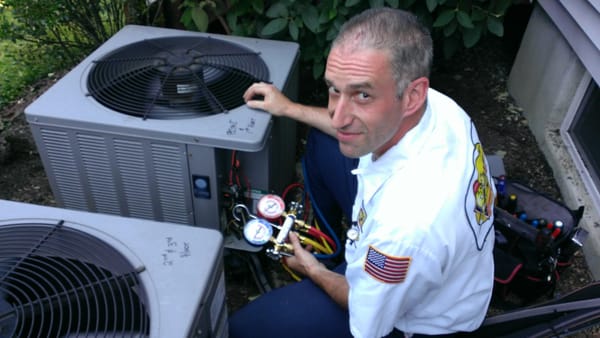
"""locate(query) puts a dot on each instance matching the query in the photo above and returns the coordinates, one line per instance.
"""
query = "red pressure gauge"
(270, 207)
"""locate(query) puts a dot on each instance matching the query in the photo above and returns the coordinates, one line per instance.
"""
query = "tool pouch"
(536, 238)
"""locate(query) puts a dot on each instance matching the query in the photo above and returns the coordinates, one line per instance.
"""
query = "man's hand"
(303, 261)
(266, 97)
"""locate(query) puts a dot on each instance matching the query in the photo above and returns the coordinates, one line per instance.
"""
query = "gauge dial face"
(352, 234)
(271, 206)
(258, 231)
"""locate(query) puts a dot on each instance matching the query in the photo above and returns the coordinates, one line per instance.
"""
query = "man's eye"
(332, 90)
(363, 96)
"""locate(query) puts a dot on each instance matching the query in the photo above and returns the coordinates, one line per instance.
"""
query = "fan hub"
(180, 59)
(178, 62)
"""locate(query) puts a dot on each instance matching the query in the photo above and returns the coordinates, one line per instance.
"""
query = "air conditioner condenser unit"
(70, 273)
(152, 125)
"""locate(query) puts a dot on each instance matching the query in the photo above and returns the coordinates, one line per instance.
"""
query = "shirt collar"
(375, 173)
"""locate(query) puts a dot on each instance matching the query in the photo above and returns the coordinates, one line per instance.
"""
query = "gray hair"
(397, 32)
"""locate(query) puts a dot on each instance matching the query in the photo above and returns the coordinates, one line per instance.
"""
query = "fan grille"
(57, 281)
(175, 77)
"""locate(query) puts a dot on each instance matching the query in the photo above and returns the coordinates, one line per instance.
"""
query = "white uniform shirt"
(423, 260)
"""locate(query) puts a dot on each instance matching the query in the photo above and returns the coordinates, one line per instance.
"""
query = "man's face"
(363, 103)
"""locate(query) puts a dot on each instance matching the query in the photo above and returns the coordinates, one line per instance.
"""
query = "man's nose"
(339, 112)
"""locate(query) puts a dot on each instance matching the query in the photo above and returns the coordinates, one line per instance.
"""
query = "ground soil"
(475, 78)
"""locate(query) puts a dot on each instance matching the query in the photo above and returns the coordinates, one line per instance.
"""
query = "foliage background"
(40, 37)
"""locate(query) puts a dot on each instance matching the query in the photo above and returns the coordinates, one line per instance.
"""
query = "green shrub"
(314, 23)
(42, 36)
(21, 64)
(67, 30)
(74, 28)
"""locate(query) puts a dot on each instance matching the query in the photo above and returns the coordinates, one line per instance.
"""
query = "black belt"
(399, 334)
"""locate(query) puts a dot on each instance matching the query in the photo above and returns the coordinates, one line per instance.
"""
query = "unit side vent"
(129, 157)
(117, 175)
(63, 171)
(170, 170)
(96, 163)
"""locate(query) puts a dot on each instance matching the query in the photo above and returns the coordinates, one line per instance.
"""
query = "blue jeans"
(328, 179)
(298, 310)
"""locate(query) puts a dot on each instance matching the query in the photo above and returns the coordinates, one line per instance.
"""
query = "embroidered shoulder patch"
(385, 268)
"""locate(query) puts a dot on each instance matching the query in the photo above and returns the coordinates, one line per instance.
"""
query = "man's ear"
(415, 95)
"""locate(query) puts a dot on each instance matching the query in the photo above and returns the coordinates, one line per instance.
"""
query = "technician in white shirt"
(419, 252)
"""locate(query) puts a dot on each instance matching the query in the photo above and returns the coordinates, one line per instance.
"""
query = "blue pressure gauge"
(258, 231)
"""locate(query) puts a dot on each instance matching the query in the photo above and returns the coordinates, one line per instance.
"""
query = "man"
(419, 253)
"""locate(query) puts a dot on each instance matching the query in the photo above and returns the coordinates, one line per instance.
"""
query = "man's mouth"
(347, 136)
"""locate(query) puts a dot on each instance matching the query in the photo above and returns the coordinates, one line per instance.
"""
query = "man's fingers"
(258, 88)
(294, 239)
(256, 104)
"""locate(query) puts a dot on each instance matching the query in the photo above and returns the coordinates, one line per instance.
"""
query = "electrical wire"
(290, 187)
(319, 234)
(290, 271)
(325, 241)
(304, 199)
(235, 168)
(316, 245)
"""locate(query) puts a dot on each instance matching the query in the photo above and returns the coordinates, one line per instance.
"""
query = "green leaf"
(186, 19)
(331, 33)
(450, 28)
(376, 3)
(310, 17)
(232, 20)
(478, 14)
(431, 5)
(407, 3)
(471, 36)
(274, 26)
(393, 3)
(200, 18)
(327, 15)
(350, 3)
(501, 6)
(258, 6)
(495, 26)
(343, 11)
(444, 18)
(464, 19)
(278, 10)
(294, 30)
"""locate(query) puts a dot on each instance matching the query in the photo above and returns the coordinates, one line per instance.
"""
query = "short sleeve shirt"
(420, 259)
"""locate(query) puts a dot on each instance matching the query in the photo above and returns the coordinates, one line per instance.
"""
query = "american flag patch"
(388, 269)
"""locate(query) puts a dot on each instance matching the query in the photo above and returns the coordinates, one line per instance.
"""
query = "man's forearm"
(333, 283)
(313, 116)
